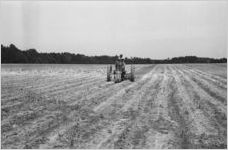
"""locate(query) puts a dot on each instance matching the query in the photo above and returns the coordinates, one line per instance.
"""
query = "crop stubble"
(169, 106)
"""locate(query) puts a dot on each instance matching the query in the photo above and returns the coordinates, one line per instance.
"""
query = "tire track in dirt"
(120, 86)
(134, 86)
(201, 91)
(214, 111)
(124, 112)
(219, 94)
(94, 96)
(16, 80)
(212, 135)
(132, 135)
(159, 129)
(197, 123)
(46, 84)
(213, 76)
(31, 126)
(164, 128)
(16, 107)
(18, 91)
(49, 94)
(52, 88)
(96, 92)
(28, 79)
(175, 115)
(208, 78)
(215, 70)
(76, 95)
(100, 92)
(70, 88)
(164, 108)
(56, 83)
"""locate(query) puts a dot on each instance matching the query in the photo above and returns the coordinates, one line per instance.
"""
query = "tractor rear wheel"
(109, 71)
(132, 74)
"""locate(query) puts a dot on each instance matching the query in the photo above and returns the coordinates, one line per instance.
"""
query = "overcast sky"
(145, 29)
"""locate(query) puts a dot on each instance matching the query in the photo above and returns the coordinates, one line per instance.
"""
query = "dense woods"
(11, 54)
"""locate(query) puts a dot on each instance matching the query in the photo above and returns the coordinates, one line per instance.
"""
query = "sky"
(154, 29)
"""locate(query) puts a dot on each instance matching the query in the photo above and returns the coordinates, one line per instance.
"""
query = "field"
(72, 106)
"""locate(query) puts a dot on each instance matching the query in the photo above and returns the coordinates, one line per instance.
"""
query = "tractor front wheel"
(117, 77)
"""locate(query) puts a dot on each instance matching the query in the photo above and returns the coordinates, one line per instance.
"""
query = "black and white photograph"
(114, 74)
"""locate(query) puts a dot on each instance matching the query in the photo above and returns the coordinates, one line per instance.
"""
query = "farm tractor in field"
(119, 73)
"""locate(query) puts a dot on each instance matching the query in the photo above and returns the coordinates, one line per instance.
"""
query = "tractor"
(119, 74)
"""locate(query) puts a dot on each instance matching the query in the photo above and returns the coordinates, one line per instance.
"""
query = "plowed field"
(72, 106)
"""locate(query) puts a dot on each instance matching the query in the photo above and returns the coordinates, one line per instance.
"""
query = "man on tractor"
(119, 74)
(120, 66)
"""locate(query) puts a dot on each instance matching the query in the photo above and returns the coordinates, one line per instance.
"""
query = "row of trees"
(11, 54)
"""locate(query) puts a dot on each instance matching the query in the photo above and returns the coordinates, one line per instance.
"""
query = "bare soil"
(72, 106)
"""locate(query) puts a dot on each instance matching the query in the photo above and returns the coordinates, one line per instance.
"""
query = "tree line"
(11, 54)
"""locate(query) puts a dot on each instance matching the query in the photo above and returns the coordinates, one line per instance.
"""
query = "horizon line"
(115, 55)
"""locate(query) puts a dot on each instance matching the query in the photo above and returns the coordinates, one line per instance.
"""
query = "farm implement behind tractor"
(119, 75)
